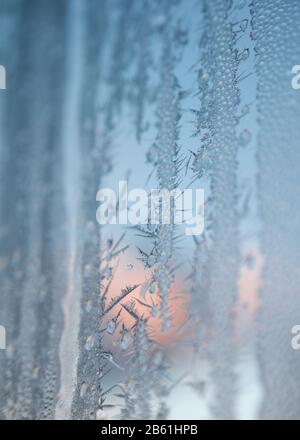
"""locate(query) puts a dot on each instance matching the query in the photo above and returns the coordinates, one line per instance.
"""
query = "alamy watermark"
(2, 77)
(159, 206)
(296, 77)
(2, 338)
(295, 341)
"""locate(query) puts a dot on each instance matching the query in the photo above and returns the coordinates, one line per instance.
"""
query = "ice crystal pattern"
(115, 322)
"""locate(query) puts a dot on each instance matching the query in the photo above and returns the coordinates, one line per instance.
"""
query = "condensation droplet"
(245, 138)
(152, 289)
(89, 342)
(111, 327)
(83, 390)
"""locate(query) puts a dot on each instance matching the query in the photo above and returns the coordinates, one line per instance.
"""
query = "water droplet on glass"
(83, 390)
(245, 138)
(111, 327)
(89, 342)
(151, 289)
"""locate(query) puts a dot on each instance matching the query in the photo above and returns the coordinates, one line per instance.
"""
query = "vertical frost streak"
(275, 30)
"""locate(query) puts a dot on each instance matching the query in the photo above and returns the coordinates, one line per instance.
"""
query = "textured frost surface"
(146, 322)
(278, 159)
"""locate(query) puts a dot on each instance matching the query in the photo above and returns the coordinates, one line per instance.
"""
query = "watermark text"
(158, 207)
